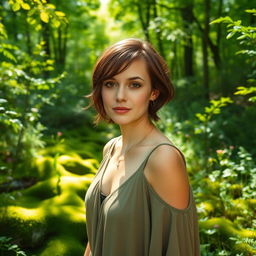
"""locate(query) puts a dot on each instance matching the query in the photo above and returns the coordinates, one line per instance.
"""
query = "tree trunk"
(144, 23)
(187, 15)
(158, 32)
(205, 50)
(214, 48)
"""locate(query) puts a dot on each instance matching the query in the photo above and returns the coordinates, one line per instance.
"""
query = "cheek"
(143, 99)
(105, 97)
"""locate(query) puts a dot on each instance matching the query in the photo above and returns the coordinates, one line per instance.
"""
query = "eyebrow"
(130, 78)
(135, 78)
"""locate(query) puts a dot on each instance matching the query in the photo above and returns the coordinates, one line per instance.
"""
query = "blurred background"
(50, 149)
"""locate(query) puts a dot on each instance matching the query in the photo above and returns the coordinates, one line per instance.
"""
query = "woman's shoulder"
(168, 174)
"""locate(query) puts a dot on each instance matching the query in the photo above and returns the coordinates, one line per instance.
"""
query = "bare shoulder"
(108, 145)
(169, 175)
(166, 156)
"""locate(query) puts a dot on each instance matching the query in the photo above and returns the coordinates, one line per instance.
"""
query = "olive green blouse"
(135, 221)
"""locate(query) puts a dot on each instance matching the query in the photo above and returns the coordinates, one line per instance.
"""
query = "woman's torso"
(133, 220)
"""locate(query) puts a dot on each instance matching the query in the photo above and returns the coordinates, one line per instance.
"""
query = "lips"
(121, 110)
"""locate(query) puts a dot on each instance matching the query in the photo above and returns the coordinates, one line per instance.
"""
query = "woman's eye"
(109, 84)
(135, 85)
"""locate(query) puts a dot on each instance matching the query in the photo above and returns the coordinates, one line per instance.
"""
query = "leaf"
(226, 19)
(11, 113)
(51, 6)
(25, 6)
(15, 7)
(201, 117)
(242, 37)
(252, 99)
(230, 34)
(56, 23)
(44, 16)
(12, 247)
(251, 11)
(8, 55)
(38, 27)
(3, 101)
(60, 14)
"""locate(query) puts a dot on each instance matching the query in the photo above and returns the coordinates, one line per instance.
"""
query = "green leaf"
(3, 101)
(230, 34)
(38, 27)
(251, 11)
(15, 7)
(51, 6)
(11, 113)
(8, 55)
(226, 19)
(25, 6)
(201, 117)
(252, 99)
(242, 37)
(44, 16)
(60, 14)
(56, 23)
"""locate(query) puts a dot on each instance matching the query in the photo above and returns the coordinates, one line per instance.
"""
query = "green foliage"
(38, 40)
(22, 97)
(246, 35)
(44, 215)
(6, 246)
(214, 109)
(230, 182)
(46, 12)
(245, 91)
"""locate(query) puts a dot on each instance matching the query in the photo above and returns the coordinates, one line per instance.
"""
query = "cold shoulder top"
(134, 220)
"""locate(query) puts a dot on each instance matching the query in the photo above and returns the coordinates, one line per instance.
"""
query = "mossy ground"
(48, 218)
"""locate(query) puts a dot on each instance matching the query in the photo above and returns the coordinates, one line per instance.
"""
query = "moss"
(226, 230)
(75, 164)
(61, 246)
(26, 226)
(48, 218)
(206, 208)
(44, 167)
(60, 214)
(42, 190)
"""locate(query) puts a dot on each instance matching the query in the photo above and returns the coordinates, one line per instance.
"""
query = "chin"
(120, 122)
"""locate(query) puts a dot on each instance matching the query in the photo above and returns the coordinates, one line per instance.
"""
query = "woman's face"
(126, 96)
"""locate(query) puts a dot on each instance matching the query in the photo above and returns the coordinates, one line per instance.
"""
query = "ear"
(154, 94)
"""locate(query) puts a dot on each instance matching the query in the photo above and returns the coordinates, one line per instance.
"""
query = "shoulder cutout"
(169, 176)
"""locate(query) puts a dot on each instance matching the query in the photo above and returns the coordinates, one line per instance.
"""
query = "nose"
(120, 93)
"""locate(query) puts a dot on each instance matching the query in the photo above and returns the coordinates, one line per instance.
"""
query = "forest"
(50, 148)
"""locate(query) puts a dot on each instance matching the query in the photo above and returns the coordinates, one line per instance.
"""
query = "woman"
(140, 202)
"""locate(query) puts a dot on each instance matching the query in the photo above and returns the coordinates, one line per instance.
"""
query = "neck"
(134, 134)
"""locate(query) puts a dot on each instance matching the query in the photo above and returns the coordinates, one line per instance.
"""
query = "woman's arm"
(87, 250)
(168, 176)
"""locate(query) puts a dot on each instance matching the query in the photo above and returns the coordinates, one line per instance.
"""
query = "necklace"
(120, 159)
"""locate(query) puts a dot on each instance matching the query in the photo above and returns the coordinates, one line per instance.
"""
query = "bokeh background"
(50, 149)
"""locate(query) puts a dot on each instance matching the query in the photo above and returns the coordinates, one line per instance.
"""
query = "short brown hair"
(116, 59)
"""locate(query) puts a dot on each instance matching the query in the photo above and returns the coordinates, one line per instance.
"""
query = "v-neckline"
(104, 170)
(125, 182)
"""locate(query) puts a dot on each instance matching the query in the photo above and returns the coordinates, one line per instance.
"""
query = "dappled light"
(50, 148)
